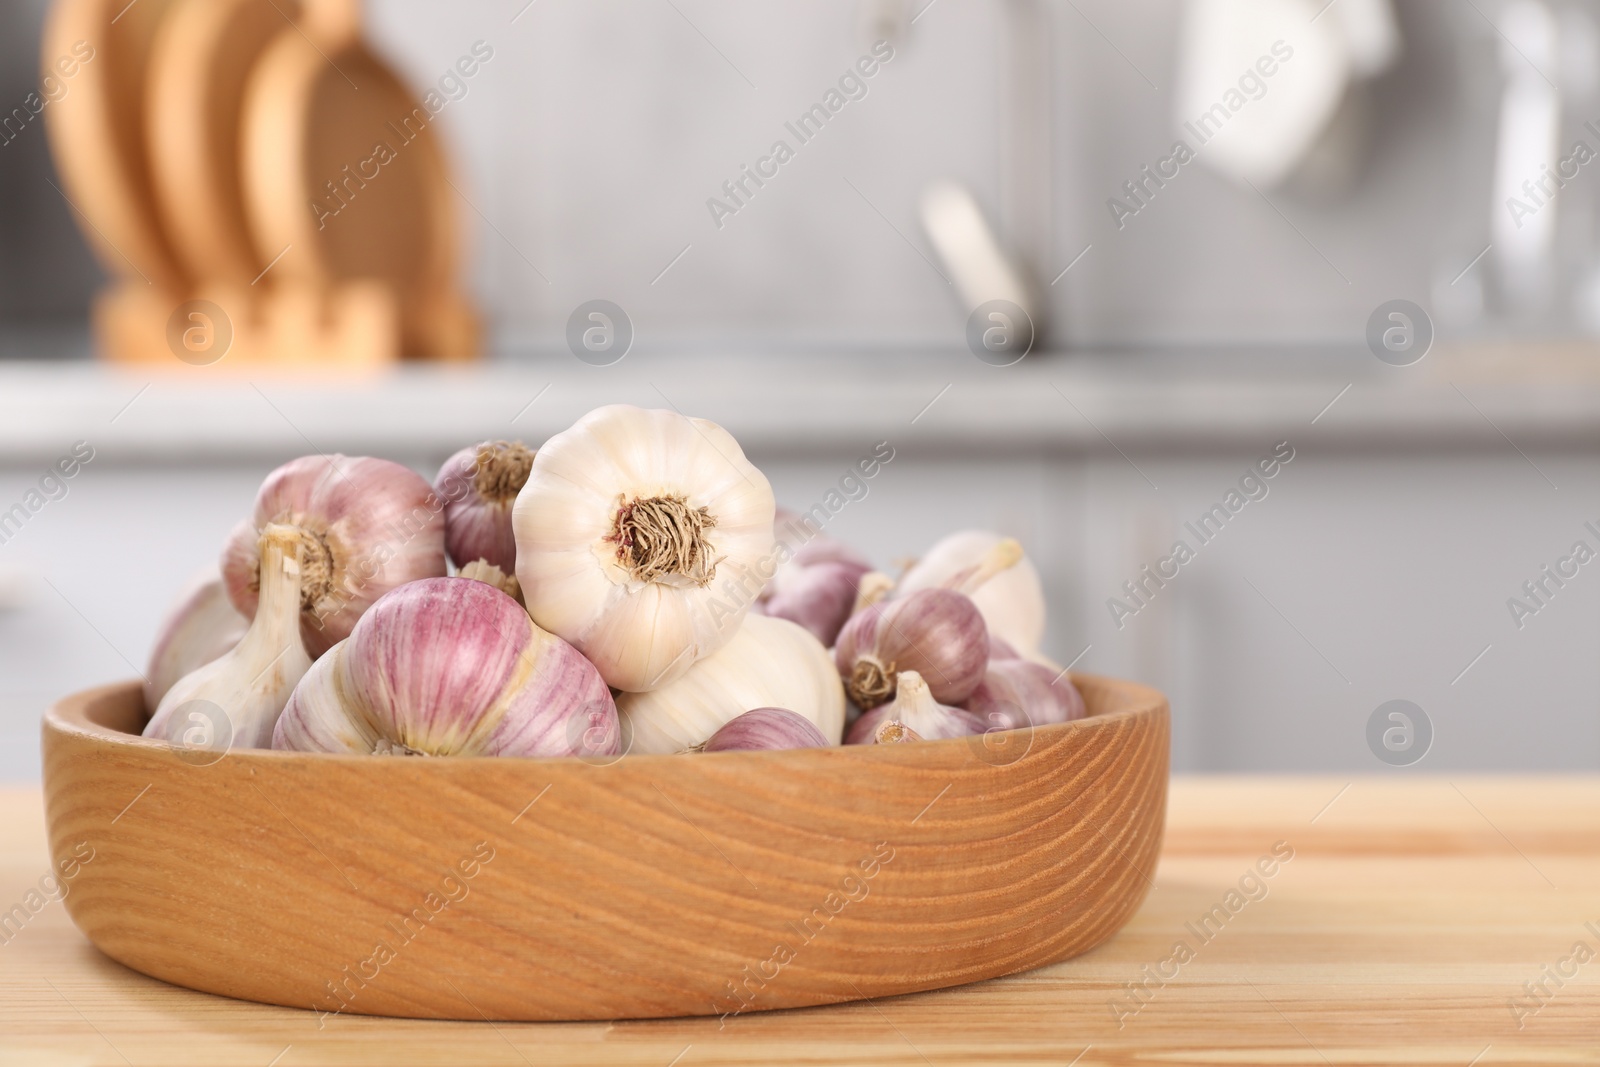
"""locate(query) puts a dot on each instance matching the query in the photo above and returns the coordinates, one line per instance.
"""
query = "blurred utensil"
(966, 244)
(1305, 120)
(202, 56)
(97, 134)
(1523, 214)
(343, 173)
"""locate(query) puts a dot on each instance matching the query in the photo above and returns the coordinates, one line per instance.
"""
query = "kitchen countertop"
(1403, 929)
(1531, 395)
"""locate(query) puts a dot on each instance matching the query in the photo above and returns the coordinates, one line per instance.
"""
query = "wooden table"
(1403, 930)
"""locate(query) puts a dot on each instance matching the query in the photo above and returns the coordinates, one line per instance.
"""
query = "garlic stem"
(873, 587)
(282, 547)
(871, 682)
(1001, 556)
(481, 570)
(503, 468)
(917, 711)
(662, 537)
(250, 684)
(893, 731)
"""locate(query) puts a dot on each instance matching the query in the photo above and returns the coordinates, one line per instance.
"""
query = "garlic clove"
(816, 585)
(1009, 594)
(820, 597)
(938, 633)
(765, 728)
(235, 701)
(769, 663)
(633, 533)
(479, 485)
(451, 667)
(366, 526)
(915, 709)
(202, 626)
(481, 570)
(1000, 648)
(1017, 693)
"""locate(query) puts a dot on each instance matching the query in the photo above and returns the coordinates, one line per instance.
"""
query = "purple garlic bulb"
(479, 484)
(765, 728)
(451, 667)
(916, 710)
(1016, 692)
(816, 587)
(938, 633)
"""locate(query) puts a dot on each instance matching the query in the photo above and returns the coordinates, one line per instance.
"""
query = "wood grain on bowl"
(646, 886)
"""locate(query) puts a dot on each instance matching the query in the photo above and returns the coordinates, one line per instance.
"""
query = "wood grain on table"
(1414, 923)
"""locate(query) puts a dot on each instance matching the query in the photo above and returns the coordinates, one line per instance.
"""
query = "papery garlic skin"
(1017, 693)
(916, 710)
(367, 525)
(937, 633)
(596, 568)
(251, 683)
(451, 667)
(764, 729)
(769, 663)
(200, 627)
(479, 486)
(1012, 600)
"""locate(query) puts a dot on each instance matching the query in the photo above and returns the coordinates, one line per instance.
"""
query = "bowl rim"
(80, 714)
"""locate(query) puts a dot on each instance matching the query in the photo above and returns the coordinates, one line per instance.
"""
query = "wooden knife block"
(352, 325)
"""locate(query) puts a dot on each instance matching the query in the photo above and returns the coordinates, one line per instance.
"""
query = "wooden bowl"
(636, 887)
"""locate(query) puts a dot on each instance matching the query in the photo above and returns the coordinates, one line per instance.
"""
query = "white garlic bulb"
(1011, 597)
(250, 685)
(202, 626)
(626, 522)
(769, 663)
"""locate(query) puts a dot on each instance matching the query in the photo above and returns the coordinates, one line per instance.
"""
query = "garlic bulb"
(769, 663)
(1016, 692)
(765, 728)
(992, 570)
(366, 525)
(999, 648)
(915, 710)
(201, 626)
(625, 522)
(479, 485)
(249, 685)
(450, 667)
(938, 633)
(817, 587)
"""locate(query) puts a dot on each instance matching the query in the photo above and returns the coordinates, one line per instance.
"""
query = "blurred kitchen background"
(1192, 316)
